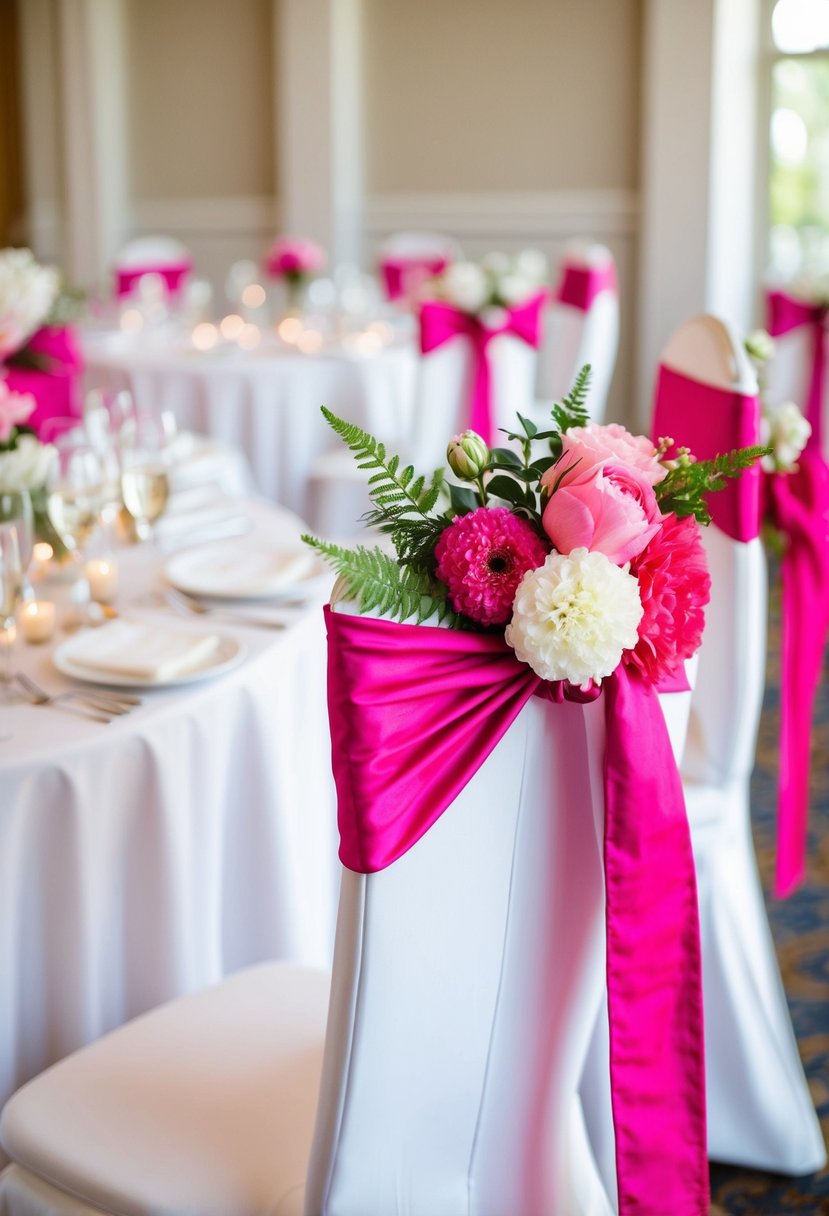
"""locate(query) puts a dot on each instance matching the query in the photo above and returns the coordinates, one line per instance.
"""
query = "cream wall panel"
(200, 89)
(468, 95)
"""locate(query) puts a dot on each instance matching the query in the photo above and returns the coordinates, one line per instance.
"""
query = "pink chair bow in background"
(581, 326)
(163, 256)
(407, 260)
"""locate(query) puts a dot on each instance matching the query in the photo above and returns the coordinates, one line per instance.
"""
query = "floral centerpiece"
(295, 260)
(25, 461)
(586, 554)
(487, 289)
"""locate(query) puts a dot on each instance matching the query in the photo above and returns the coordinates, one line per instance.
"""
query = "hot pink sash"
(440, 322)
(174, 275)
(712, 420)
(401, 275)
(414, 711)
(55, 383)
(579, 285)
(786, 313)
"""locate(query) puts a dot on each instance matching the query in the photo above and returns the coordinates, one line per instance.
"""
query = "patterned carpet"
(801, 931)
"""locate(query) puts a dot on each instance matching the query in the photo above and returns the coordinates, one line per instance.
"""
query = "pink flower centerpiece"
(586, 555)
(294, 260)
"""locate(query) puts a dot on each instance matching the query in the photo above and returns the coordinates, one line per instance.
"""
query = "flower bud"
(467, 455)
(759, 345)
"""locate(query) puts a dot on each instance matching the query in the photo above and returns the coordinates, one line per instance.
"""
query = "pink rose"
(294, 255)
(14, 408)
(607, 508)
(592, 445)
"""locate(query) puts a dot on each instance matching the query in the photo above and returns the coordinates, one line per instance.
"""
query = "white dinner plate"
(228, 654)
(238, 572)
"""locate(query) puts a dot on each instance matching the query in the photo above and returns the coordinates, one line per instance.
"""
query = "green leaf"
(505, 457)
(506, 488)
(462, 499)
(572, 410)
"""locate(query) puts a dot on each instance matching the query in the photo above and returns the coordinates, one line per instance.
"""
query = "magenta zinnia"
(674, 587)
(482, 557)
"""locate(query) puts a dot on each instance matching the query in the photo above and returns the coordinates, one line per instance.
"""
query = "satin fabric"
(786, 313)
(799, 507)
(711, 420)
(401, 274)
(440, 322)
(579, 285)
(174, 275)
(57, 388)
(414, 711)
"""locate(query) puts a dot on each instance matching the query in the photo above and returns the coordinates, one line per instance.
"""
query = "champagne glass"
(144, 470)
(16, 508)
(75, 496)
(11, 579)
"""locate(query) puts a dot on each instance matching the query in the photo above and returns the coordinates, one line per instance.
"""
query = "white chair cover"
(444, 390)
(574, 337)
(759, 1109)
(466, 982)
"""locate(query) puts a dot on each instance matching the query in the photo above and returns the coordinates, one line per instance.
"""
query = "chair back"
(152, 255)
(703, 355)
(581, 326)
(466, 980)
(789, 375)
(406, 260)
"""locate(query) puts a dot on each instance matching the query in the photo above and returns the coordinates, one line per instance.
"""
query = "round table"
(266, 402)
(146, 857)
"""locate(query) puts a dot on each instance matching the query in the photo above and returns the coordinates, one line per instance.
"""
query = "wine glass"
(145, 483)
(76, 494)
(16, 508)
(11, 579)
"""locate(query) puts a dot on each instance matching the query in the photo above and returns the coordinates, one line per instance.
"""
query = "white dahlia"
(574, 616)
(27, 293)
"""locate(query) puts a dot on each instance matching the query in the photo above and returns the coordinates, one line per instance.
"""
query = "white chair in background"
(164, 257)
(406, 260)
(581, 325)
(466, 980)
(789, 374)
(759, 1109)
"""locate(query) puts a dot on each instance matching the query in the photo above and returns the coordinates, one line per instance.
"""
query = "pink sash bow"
(403, 275)
(579, 285)
(414, 711)
(173, 274)
(786, 313)
(440, 322)
(713, 420)
(55, 381)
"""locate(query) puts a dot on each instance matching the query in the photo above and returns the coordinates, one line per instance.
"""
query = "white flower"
(759, 345)
(574, 616)
(466, 286)
(496, 263)
(783, 428)
(25, 467)
(533, 264)
(515, 288)
(27, 293)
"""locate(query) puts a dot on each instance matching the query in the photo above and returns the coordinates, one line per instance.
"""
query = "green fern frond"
(380, 585)
(572, 409)
(390, 486)
(682, 490)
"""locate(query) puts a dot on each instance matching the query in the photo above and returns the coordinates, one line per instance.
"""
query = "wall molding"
(552, 214)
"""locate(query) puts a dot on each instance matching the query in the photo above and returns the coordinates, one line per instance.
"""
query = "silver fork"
(178, 599)
(101, 706)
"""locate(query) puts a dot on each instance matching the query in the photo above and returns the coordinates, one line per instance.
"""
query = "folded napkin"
(232, 570)
(143, 652)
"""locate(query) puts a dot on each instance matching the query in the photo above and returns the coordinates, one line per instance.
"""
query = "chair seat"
(230, 1076)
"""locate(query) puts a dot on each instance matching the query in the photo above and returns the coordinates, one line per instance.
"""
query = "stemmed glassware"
(11, 579)
(16, 508)
(144, 469)
(76, 494)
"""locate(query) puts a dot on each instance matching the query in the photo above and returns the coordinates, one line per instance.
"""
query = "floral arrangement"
(783, 427)
(586, 554)
(28, 293)
(295, 259)
(24, 460)
(500, 281)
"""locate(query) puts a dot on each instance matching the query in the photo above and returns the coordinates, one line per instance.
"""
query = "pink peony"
(14, 408)
(608, 508)
(294, 256)
(674, 587)
(613, 444)
(482, 557)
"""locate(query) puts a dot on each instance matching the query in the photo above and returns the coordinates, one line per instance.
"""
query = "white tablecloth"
(268, 403)
(151, 856)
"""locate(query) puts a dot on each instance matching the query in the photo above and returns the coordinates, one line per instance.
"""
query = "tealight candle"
(37, 620)
(102, 576)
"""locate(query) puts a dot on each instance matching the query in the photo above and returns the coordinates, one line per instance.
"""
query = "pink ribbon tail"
(800, 507)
